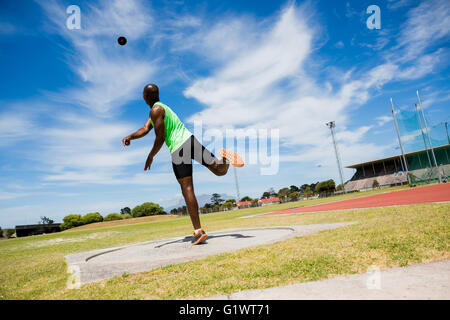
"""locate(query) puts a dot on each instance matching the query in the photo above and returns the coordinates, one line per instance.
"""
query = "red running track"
(426, 194)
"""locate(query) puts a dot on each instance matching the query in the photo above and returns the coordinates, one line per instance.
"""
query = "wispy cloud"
(382, 120)
(426, 25)
(267, 86)
(396, 4)
(14, 127)
(110, 75)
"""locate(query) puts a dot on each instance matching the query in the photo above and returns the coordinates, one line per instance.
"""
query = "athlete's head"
(151, 94)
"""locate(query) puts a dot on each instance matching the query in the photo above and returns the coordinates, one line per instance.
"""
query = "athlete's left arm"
(157, 114)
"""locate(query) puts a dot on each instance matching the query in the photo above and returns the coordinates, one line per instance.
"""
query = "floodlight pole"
(237, 184)
(400, 143)
(332, 125)
(423, 135)
(429, 139)
(446, 129)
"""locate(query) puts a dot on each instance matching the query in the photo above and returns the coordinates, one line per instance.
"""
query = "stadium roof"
(354, 166)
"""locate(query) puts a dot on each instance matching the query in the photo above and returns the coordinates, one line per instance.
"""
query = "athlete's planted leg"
(187, 188)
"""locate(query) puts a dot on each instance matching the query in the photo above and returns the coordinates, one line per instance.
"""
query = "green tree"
(113, 216)
(254, 202)
(303, 187)
(308, 192)
(215, 207)
(45, 220)
(146, 209)
(294, 189)
(208, 207)
(246, 198)
(10, 232)
(293, 196)
(215, 199)
(339, 187)
(126, 216)
(1, 232)
(283, 193)
(71, 221)
(320, 187)
(227, 205)
(265, 195)
(230, 202)
(375, 184)
(269, 193)
(331, 185)
(325, 187)
(92, 217)
(272, 192)
(125, 210)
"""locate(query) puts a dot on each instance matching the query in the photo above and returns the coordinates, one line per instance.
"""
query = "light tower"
(429, 138)
(237, 184)
(332, 125)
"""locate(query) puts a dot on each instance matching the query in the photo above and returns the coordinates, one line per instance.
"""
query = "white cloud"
(267, 86)
(4, 195)
(426, 25)
(396, 4)
(382, 120)
(84, 149)
(14, 127)
(339, 45)
(233, 94)
(111, 75)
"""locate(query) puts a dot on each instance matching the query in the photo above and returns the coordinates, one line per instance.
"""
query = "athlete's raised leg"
(219, 167)
(206, 158)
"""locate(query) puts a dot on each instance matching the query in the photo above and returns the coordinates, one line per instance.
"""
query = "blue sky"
(68, 97)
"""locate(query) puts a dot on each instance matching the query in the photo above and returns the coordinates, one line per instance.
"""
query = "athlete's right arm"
(142, 132)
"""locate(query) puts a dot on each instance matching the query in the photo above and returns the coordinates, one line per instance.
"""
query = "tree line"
(292, 193)
(145, 209)
(216, 204)
(295, 193)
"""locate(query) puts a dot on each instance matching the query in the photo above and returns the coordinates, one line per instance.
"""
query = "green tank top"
(175, 132)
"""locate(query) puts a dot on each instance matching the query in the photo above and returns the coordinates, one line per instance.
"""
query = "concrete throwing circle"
(181, 247)
(106, 263)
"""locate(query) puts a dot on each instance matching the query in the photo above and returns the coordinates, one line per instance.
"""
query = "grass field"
(106, 224)
(35, 268)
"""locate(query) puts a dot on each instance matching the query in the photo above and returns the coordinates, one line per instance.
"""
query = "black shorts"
(183, 156)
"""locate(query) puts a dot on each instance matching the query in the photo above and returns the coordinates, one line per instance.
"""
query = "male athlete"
(183, 147)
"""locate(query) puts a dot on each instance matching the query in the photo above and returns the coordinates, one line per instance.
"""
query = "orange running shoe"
(234, 158)
(199, 237)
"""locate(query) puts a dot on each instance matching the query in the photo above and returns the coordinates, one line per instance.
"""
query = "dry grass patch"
(106, 224)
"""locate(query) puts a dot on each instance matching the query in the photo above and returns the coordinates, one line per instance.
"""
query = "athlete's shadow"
(189, 239)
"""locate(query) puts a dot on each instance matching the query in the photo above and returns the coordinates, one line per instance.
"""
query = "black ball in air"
(122, 41)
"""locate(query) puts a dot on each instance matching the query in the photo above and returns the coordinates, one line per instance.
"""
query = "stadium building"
(391, 172)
